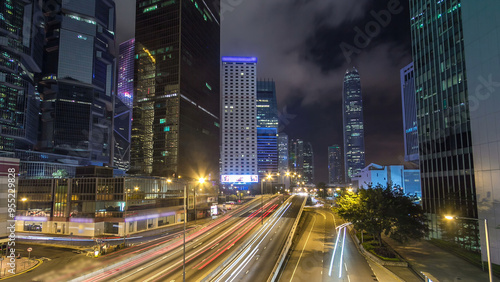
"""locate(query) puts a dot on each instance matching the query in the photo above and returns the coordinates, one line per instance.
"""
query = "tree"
(383, 209)
(60, 173)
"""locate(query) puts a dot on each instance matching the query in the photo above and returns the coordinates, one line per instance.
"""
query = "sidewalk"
(386, 273)
(22, 265)
(444, 266)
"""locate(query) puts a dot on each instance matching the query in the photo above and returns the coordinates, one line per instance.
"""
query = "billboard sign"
(239, 178)
(213, 209)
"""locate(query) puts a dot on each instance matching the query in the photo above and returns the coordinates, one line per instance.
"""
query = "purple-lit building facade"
(123, 104)
(125, 90)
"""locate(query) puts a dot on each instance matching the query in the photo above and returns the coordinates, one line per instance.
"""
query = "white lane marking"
(303, 249)
(242, 266)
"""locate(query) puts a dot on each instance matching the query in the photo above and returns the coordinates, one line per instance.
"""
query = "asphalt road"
(62, 264)
(55, 261)
(311, 259)
(204, 248)
(257, 260)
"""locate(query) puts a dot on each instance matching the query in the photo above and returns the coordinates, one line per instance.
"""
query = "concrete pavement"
(446, 267)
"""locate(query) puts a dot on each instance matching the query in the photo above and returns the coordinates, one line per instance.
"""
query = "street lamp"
(269, 177)
(262, 197)
(184, 236)
(488, 255)
(201, 180)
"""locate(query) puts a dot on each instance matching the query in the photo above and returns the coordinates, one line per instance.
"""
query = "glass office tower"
(283, 153)
(409, 113)
(78, 79)
(444, 131)
(122, 122)
(175, 128)
(308, 166)
(481, 27)
(20, 60)
(267, 128)
(334, 164)
(354, 134)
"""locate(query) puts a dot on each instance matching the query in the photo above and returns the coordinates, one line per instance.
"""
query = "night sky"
(298, 44)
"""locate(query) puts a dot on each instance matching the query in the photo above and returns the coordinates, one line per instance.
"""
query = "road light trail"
(268, 226)
(342, 254)
(149, 256)
(333, 256)
(172, 268)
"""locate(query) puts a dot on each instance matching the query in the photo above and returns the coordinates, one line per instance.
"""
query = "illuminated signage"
(240, 59)
(239, 178)
(213, 209)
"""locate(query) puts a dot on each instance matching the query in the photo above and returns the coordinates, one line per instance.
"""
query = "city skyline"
(315, 114)
(209, 135)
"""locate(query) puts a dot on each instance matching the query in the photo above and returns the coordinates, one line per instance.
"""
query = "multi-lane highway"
(256, 261)
(323, 237)
(205, 248)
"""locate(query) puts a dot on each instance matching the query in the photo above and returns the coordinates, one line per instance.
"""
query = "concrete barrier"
(372, 256)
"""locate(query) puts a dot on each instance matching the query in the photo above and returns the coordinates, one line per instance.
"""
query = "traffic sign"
(30, 249)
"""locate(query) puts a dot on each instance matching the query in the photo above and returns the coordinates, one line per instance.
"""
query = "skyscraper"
(20, 58)
(354, 134)
(443, 117)
(334, 164)
(239, 121)
(409, 113)
(481, 29)
(122, 122)
(267, 128)
(175, 128)
(296, 156)
(77, 81)
(283, 153)
(308, 165)
(267, 106)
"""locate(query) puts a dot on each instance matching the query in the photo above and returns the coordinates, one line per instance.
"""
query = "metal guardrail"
(288, 244)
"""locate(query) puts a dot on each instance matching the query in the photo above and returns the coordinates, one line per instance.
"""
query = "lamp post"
(262, 197)
(201, 180)
(270, 179)
(184, 237)
(125, 219)
(488, 255)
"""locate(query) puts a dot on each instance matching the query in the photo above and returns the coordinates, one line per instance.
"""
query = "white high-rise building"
(239, 120)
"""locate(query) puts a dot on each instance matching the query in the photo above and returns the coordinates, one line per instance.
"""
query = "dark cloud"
(298, 44)
(125, 20)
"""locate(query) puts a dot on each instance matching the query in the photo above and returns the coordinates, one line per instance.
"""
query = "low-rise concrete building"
(397, 175)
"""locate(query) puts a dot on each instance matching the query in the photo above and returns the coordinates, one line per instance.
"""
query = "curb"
(362, 251)
(27, 270)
